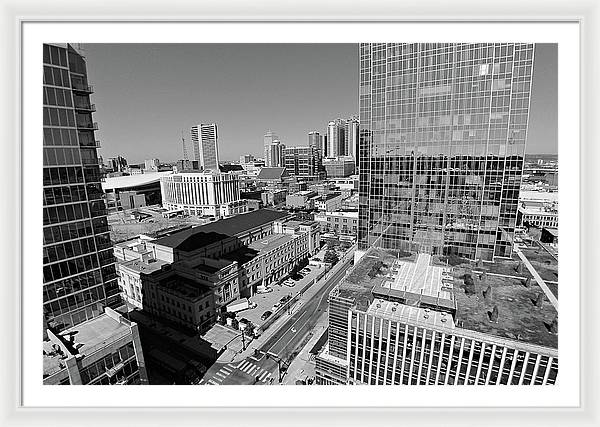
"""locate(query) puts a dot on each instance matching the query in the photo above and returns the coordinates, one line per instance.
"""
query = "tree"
(331, 257)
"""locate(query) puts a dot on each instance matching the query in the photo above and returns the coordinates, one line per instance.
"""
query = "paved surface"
(283, 340)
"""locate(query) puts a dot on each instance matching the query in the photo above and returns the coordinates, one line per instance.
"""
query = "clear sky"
(146, 94)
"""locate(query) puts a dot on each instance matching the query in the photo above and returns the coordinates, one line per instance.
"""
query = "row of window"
(99, 368)
(74, 302)
(74, 284)
(56, 77)
(70, 268)
(68, 250)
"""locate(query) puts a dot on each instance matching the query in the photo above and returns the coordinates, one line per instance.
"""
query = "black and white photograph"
(300, 214)
(224, 219)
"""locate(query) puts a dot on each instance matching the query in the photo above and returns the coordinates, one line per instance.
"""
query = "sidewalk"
(229, 356)
(302, 365)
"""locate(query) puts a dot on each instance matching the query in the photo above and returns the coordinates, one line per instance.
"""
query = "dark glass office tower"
(79, 266)
(442, 139)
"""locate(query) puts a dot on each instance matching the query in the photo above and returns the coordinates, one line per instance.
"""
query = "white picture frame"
(18, 13)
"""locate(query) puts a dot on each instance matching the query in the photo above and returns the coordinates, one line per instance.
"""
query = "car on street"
(284, 299)
(276, 305)
(266, 315)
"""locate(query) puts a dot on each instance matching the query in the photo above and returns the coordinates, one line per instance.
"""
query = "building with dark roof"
(272, 175)
(230, 257)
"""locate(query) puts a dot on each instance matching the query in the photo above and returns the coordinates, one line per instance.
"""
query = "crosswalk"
(246, 367)
(256, 371)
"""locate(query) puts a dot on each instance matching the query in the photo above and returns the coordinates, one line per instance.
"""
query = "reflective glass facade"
(79, 267)
(442, 138)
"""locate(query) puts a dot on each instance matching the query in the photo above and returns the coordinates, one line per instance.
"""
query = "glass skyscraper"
(78, 263)
(442, 139)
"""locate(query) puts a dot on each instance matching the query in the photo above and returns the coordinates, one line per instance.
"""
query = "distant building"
(202, 193)
(206, 148)
(271, 177)
(336, 138)
(339, 167)
(328, 202)
(133, 191)
(315, 141)
(345, 183)
(116, 164)
(274, 197)
(186, 165)
(303, 162)
(246, 158)
(351, 135)
(104, 350)
(341, 222)
(394, 321)
(152, 165)
(274, 156)
(301, 200)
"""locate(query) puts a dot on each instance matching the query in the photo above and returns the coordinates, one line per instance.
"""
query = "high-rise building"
(351, 135)
(336, 138)
(339, 167)
(151, 165)
(314, 139)
(442, 140)
(246, 158)
(303, 161)
(324, 146)
(79, 275)
(394, 320)
(273, 150)
(206, 148)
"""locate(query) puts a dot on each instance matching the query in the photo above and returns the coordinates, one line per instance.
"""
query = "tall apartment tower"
(78, 264)
(336, 138)
(324, 146)
(206, 148)
(274, 150)
(442, 140)
(351, 135)
(314, 139)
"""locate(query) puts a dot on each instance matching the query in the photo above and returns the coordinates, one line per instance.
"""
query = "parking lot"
(266, 301)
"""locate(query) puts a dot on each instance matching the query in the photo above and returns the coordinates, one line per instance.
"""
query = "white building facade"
(203, 194)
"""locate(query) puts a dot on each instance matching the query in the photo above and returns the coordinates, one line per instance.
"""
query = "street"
(284, 343)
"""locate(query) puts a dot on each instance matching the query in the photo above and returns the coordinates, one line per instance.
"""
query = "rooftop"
(410, 314)
(135, 180)
(184, 287)
(148, 267)
(191, 242)
(89, 336)
(241, 255)
(380, 274)
(229, 226)
(271, 173)
(519, 318)
(270, 242)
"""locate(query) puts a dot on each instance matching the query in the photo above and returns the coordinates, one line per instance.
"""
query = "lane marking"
(212, 382)
(226, 369)
(220, 375)
(263, 376)
(326, 294)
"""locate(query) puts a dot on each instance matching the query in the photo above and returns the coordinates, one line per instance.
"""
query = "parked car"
(276, 305)
(266, 315)
(284, 299)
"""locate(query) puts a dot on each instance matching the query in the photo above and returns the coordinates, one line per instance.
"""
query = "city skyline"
(242, 88)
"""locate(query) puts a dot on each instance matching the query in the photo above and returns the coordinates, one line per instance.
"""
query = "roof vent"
(393, 308)
(378, 305)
